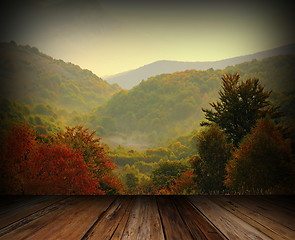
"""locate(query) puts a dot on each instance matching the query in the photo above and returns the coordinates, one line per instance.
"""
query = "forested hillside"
(276, 73)
(169, 105)
(76, 134)
(162, 107)
(32, 77)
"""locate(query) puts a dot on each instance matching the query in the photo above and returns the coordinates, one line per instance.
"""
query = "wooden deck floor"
(147, 217)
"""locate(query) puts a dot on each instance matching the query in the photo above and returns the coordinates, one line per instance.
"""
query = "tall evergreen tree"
(240, 105)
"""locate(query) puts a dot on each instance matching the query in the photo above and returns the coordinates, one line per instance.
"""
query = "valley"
(155, 125)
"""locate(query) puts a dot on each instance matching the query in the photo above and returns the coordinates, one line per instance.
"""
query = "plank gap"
(163, 227)
(90, 230)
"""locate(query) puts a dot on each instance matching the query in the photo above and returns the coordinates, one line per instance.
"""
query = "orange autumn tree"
(72, 162)
(31, 167)
(94, 154)
(58, 169)
(184, 184)
(263, 162)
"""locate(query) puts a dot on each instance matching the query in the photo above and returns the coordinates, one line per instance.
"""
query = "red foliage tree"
(91, 149)
(94, 154)
(31, 167)
(58, 169)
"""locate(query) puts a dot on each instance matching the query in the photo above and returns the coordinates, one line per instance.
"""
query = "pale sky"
(110, 36)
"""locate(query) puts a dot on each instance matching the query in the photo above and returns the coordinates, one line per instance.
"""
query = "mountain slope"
(32, 77)
(169, 105)
(131, 78)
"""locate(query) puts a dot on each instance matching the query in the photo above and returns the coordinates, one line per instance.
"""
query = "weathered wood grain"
(23, 221)
(230, 225)
(71, 221)
(13, 210)
(122, 224)
(173, 225)
(144, 221)
(147, 217)
(278, 214)
(105, 228)
(263, 224)
(197, 223)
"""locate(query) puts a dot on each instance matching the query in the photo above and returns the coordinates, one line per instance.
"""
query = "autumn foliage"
(263, 162)
(184, 184)
(62, 165)
(91, 149)
(66, 172)
(180, 184)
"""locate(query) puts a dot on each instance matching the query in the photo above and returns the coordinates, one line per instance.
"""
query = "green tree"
(209, 165)
(131, 182)
(240, 105)
(166, 173)
(263, 162)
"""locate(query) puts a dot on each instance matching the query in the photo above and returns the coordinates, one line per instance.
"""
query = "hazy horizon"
(109, 36)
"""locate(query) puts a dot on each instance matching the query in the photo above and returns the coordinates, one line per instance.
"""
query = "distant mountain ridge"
(131, 78)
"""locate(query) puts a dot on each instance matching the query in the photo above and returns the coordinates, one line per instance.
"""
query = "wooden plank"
(173, 225)
(147, 217)
(71, 221)
(277, 214)
(265, 225)
(144, 221)
(120, 229)
(28, 225)
(22, 207)
(197, 223)
(106, 227)
(230, 225)
(23, 221)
